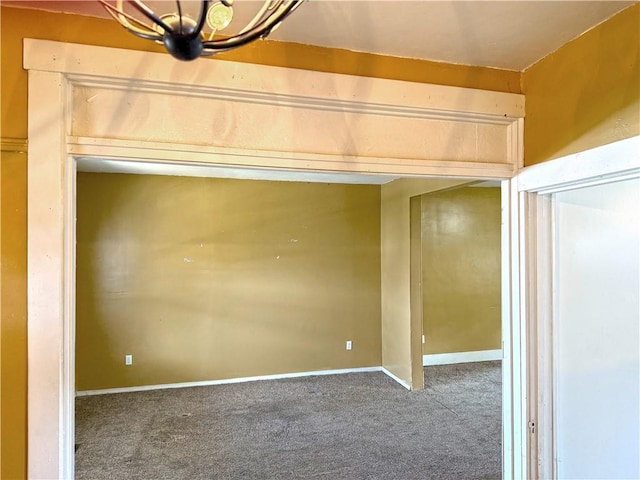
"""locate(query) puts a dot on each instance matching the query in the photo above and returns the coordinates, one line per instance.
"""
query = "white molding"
(68, 382)
(226, 381)
(187, 155)
(84, 63)
(535, 260)
(396, 378)
(47, 252)
(541, 230)
(461, 357)
(303, 99)
(615, 161)
(514, 373)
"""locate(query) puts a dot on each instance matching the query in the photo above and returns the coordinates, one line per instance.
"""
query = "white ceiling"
(510, 34)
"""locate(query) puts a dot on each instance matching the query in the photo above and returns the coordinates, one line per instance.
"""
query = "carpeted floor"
(352, 426)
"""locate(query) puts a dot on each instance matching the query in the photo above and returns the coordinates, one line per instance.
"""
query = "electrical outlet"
(128, 359)
(423, 339)
(349, 344)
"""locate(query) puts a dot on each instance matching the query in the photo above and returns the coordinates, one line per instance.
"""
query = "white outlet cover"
(349, 344)
(128, 359)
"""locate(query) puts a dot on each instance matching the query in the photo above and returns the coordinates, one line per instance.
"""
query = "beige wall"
(205, 279)
(585, 94)
(461, 270)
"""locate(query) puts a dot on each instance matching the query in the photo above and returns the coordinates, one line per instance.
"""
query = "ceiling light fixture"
(187, 38)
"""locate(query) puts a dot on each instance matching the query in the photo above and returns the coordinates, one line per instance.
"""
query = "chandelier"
(187, 36)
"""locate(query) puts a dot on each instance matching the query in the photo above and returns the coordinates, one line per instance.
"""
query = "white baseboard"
(396, 378)
(461, 357)
(84, 393)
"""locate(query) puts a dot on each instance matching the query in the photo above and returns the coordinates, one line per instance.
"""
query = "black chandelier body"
(184, 37)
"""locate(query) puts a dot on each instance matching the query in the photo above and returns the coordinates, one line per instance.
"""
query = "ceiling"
(510, 35)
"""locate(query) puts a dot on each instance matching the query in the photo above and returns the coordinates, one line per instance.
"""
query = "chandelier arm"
(124, 20)
(147, 12)
(203, 17)
(179, 6)
(262, 30)
(275, 4)
(254, 21)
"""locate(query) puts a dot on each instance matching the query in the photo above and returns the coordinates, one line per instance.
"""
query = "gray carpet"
(352, 426)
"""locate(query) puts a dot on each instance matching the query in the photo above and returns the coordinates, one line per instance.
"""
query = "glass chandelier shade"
(186, 37)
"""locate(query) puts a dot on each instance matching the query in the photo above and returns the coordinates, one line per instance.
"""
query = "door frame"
(76, 94)
(534, 188)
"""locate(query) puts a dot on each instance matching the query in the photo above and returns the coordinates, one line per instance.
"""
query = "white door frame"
(111, 105)
(534, 188)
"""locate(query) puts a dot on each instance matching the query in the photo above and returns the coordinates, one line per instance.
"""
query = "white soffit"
(510, 35)
(487, 184)
(153, 168)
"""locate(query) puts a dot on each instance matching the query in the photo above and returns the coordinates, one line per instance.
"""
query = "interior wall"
(17, 24)
(597, 334)
(585, 94)
(13, 322)
(401, 354)
(205, 279)
(415, 291)
(461, 285)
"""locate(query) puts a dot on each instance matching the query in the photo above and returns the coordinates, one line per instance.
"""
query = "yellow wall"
(13, 304)
(401, 331)
(585, 94)
(205, 279)
(461, 270)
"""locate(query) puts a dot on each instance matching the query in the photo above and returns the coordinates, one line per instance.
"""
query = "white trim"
(68, 406)
(49, 398)
(226, 79)
(538, 252)
(615, 161)
(519, 347)
(396, 378)
(536, 261)
(153, 155)
(513, 369)
(461, 357)
(226, 381)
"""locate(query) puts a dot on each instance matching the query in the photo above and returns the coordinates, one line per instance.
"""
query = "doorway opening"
(149, 247)
(456, 273)
(98, 104)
